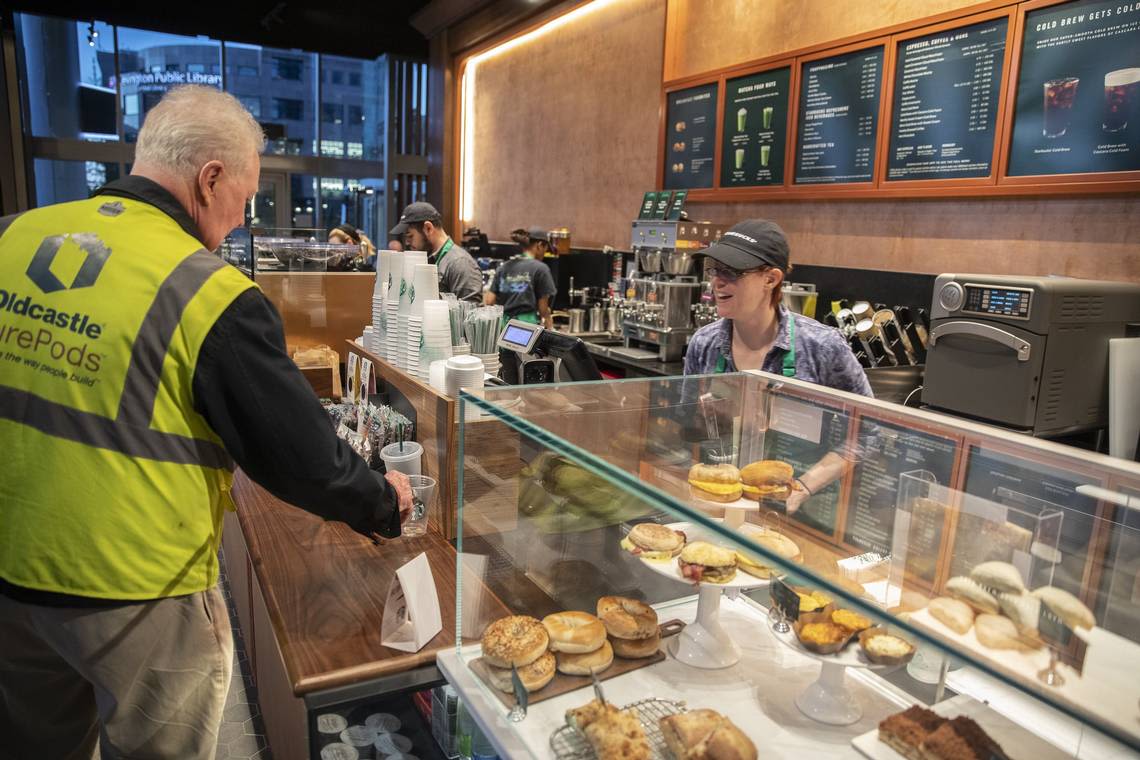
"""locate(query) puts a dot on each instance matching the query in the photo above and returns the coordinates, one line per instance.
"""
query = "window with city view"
(72, 97)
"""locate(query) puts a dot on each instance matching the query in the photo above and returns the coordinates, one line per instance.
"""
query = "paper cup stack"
(436, 341)
(407, 296)
(465, 372)
(380, 303)
(424, 287)
(490, 363)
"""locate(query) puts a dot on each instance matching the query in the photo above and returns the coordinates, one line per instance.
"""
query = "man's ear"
(208, 177)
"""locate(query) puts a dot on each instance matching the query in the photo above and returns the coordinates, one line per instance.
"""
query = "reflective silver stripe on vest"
(94, 430)
(140, 387)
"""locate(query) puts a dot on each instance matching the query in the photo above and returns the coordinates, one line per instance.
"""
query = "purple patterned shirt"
(822, 355)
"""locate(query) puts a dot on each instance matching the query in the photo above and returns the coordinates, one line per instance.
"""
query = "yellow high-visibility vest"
(111, 486)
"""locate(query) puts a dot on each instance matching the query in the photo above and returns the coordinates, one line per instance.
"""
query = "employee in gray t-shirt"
(420, 229)
(523, 284)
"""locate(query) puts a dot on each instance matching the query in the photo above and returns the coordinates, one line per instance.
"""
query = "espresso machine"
(657, 312)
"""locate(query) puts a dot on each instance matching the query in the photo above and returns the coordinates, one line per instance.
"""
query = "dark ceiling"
(358, 29)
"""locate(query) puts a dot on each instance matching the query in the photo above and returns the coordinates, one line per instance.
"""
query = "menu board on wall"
(690, 137)
(1045, 502)
(945, 103)
(838, 114)
(1078, 90)
(755, 129)
(802, 433)
(887, 452)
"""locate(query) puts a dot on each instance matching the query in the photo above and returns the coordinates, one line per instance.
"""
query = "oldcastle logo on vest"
(45, 341)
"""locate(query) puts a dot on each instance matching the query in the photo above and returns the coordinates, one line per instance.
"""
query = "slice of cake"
(905, 732)
(961, 739)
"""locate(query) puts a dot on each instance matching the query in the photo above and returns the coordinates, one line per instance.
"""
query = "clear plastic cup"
(406, 460)
(423, 494)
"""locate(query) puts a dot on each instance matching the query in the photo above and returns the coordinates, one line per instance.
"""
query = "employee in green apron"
(746, 268)
(523, 284)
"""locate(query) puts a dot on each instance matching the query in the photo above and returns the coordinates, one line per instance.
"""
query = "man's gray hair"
(193, 125)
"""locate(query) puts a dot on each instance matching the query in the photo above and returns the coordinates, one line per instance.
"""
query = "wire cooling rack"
(569, 743)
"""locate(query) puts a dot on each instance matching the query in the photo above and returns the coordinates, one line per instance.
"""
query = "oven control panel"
(997, 301)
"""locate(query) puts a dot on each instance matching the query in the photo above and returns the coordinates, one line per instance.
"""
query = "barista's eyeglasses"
(728, 274)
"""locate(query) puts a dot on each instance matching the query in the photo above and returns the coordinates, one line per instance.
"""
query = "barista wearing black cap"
(420, 229)
(756, 331)
(523, 284)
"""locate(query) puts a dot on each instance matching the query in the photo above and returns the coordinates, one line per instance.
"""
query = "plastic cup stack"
(435, 343)
(490, 363)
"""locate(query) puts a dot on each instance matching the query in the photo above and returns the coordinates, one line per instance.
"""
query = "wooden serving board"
(563, 684)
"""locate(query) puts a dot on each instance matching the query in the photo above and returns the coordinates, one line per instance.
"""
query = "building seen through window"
(309, 105)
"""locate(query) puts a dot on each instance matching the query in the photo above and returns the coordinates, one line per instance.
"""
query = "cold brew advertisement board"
(945, 103)
(755, 129)
(887, 452)
(838, 115)
(690, 137)
(1078, 90)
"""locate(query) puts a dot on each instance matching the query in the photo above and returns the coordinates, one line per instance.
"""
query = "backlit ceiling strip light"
(467, 115)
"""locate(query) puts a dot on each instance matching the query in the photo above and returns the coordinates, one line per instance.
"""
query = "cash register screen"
(520, 336)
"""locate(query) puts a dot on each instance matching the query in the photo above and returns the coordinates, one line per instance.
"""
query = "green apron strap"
(530, 317)
(443, 250)
(789, 362)
(789, 369)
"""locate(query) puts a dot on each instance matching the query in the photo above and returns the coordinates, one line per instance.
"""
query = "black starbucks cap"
(420, 211)
(750, 244)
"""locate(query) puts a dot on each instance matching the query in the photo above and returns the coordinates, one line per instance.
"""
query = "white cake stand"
(827, 699)
(734, 511)
(704, 643)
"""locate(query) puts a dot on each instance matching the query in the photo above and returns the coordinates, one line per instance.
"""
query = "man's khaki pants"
(145, 680)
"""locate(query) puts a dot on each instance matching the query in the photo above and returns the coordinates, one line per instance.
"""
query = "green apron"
(789, 363)
(530, 317)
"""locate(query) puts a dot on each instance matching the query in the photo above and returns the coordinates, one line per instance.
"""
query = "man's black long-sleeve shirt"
(260, 405)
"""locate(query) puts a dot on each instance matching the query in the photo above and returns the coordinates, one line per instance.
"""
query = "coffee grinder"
(657, 319)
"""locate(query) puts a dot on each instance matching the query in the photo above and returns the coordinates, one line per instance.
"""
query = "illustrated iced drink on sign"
(741, 119)
(1120, 91)
(767, 116)
(764, 151)
(1059, 97)
(739, 158)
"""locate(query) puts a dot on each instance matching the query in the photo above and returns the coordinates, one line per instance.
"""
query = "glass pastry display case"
(787, 566)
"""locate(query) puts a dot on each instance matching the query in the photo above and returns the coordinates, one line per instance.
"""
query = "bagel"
(585, 663)
(715, 482)
(626, 618)
(636, 649)
(574, 632)
(516, 640)
(533, 676)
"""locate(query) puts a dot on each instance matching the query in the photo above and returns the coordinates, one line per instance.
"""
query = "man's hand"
(399, 481)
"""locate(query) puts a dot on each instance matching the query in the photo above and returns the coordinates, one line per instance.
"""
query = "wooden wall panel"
(710, 34)
(566, 134)
(1097, 238)
(566, 126)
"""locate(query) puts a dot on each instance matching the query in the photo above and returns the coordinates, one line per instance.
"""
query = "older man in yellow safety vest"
(136, 369)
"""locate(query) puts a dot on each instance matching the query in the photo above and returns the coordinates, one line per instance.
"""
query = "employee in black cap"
(523, 284)
(420, 229)
(755, 331)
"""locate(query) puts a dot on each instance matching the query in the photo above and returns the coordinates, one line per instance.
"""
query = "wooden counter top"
(325, 586)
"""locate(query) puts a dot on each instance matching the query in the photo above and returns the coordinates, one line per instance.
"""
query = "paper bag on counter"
(411, 613)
